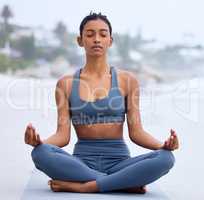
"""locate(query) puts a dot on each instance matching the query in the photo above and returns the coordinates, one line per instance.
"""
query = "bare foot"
(69, 186)
(65, 186)
(138, 190)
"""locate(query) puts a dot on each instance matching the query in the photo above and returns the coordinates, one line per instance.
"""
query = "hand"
(31, 137)
(172, 142)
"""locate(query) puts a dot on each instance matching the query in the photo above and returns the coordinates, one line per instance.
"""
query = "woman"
(96, 99)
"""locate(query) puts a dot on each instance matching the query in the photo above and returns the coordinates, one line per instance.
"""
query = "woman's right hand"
(31, 137)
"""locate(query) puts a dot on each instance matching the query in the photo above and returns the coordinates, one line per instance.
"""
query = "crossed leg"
(71, 174)
(136, 172)
(63, 168)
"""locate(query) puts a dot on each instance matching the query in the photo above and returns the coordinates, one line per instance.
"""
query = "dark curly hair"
(95, 16)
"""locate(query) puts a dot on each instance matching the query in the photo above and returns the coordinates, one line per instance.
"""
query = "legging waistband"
(101, 147)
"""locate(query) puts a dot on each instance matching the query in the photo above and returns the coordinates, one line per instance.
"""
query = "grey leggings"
(107, 161)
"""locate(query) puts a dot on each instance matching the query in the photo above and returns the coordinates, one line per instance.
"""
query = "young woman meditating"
(96, 98)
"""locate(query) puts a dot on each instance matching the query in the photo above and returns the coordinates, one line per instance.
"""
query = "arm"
(62, 135)
(136, 131)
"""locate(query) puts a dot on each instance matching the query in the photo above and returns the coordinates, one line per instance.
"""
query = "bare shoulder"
(64, 83)
(129, 79)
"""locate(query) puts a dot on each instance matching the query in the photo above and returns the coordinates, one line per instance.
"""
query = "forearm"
(55, 139)
(146, 140)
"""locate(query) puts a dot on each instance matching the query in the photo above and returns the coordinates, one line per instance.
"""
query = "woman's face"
(96, 38)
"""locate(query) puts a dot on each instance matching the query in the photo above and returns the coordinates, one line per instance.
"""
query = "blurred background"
(161, 41)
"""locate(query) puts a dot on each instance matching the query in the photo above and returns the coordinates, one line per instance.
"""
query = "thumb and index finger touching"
(31, 136)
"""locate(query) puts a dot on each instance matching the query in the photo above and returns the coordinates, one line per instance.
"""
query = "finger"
(29, 125)
(27, 132)
(165, 145)
(176, 143)
(168, 142)
(34, 134)
(38, 139)
(173, 135)
(34, 130)
(35, 142)
(173, 132)
(31, 136)
(174, 139)
(26, 135)
(171, 143)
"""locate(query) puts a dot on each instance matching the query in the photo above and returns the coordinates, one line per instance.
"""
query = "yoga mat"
(38, 189)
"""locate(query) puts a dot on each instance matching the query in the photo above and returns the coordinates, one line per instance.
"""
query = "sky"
(168, 21)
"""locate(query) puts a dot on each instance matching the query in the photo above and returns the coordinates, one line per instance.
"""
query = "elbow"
(137, 142)
(63, 137)
(63, 144)
(135, 136)
(66, 142)
(63, 140)
(134, 140)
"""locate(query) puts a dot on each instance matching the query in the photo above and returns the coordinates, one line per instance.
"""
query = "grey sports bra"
(111, 108)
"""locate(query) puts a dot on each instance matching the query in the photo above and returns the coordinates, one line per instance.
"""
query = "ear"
(79, 41)
(111, 41)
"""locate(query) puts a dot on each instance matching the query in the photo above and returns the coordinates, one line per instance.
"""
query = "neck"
(96, 65)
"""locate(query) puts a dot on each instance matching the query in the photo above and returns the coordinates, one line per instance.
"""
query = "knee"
(167, 159)
(39, 152)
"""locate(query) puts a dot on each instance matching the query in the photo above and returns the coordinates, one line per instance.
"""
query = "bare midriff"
(100, 131)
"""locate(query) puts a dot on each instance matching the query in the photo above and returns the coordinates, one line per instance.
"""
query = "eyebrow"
(92, 30)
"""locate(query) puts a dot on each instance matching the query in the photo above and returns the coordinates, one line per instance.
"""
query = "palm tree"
(6, 14)
(61, 33)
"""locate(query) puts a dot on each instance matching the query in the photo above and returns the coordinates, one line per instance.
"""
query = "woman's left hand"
(172, 142)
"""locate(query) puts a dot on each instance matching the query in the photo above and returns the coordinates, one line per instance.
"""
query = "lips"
(96, 47)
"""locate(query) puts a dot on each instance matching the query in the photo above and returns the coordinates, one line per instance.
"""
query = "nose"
(97, 38)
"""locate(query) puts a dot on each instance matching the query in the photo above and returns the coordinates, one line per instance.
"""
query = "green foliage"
(26, 45)
(4, 63)
(7, 63)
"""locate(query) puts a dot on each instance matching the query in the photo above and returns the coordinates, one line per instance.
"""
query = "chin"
(96, 54)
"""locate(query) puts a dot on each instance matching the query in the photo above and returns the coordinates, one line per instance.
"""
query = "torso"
(99, 130)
